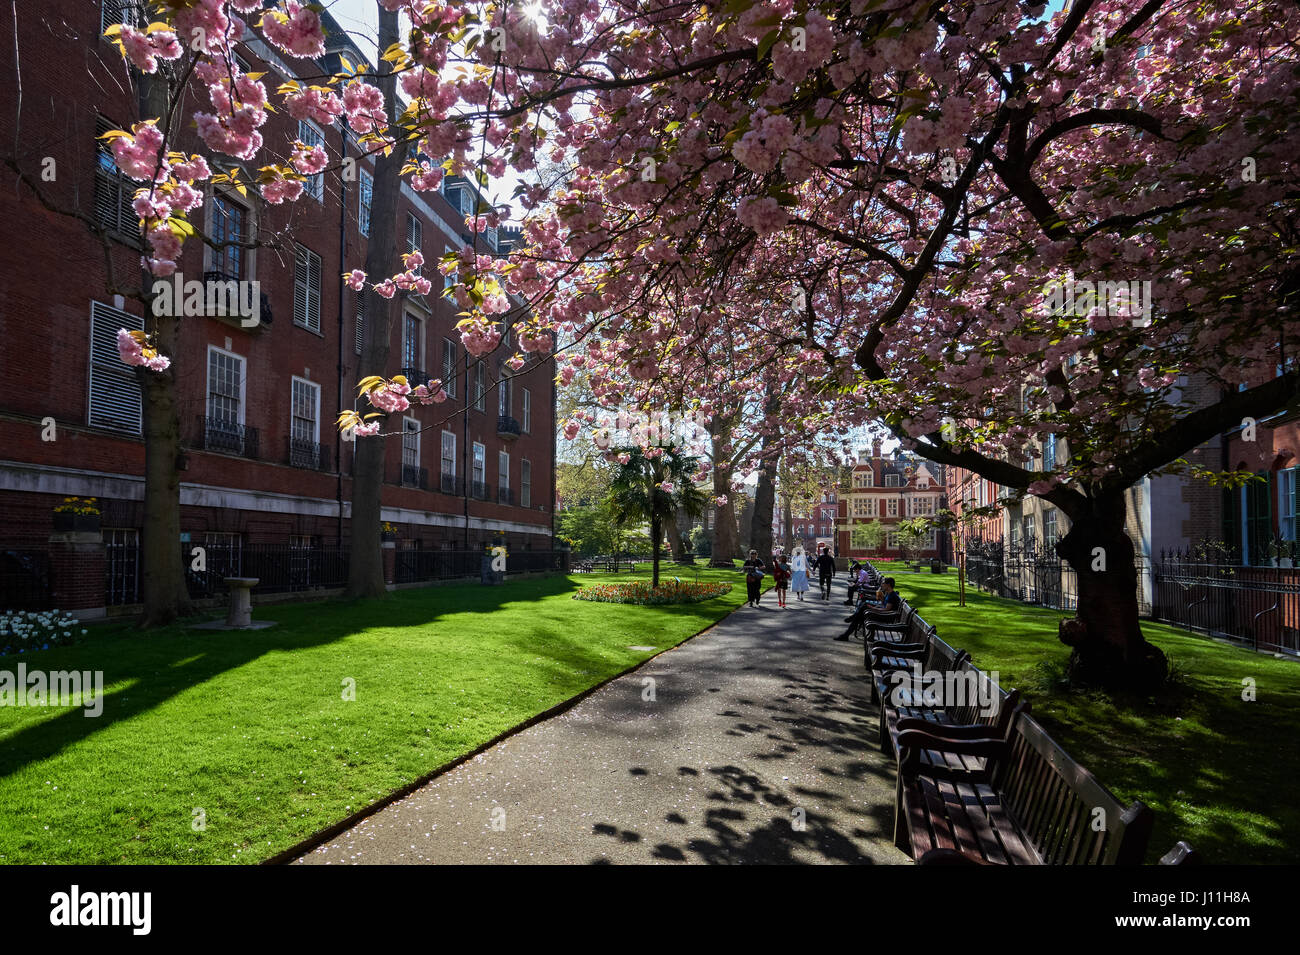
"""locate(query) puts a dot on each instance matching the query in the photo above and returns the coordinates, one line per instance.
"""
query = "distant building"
(889, 491)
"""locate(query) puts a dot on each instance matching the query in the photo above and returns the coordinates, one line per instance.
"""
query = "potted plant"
(77, 514)
(388, 531)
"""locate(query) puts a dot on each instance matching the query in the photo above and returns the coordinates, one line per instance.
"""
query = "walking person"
(825, 571)
(799, 579)
(780, 577)
(753, 577)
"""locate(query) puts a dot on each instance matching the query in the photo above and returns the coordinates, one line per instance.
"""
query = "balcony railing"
(309, 455)
(450, 484)
(505, 495)
(227, 437)
(480, 490)
(413, 476)
(507, 427)
(414, 376)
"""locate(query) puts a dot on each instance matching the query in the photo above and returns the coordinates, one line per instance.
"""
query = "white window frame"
(243, 383)
(892, 507)
(365, 199)
(478, 462)
(526, 425)
(1288, 519)
(442, 456)
(414, 233)
(525, 483)
(480, 385)
(410, 429)
(452, 278)
(310, 134)
(314, 386)
(503, 457)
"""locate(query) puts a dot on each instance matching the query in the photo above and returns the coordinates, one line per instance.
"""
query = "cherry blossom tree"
(976, 223)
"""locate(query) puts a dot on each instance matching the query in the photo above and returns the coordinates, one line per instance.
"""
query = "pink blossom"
(356, 279)
(721, 500)
(298, 30)
(308, 161)
(366, 430)
(364, 105)
(387, 288)
(280, 190)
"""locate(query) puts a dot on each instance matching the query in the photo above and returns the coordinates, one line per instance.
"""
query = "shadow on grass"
(144, 670)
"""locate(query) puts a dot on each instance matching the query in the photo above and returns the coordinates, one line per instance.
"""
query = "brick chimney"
(877, 468)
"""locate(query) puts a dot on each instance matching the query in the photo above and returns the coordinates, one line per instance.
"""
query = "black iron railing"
(505, 495)
(480, 490)
(507, 427)
(309, 454)
(227, 437)
(414, 376)
(413, 476)
(25, 580)
(279, 568)
(413, 566)
(451, 484)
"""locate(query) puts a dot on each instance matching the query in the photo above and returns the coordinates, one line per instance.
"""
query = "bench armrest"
(908, 650)
(954, 731)
(918, 739)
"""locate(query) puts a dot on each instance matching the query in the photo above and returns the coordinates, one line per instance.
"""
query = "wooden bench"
(884, 660)
(982, 710)
(1032, 804)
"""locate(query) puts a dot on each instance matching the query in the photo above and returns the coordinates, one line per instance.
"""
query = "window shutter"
(313, 316)
(361, 320)
(114, 392)
(306, 289)
(300, 286)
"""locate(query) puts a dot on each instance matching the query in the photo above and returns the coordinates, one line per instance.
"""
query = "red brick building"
(262, 462)
(889, 491)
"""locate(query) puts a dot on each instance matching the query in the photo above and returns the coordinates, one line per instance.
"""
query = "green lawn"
(252, 729)
(1219, 772)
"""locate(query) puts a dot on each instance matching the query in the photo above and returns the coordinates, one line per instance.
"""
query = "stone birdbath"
(240, 614)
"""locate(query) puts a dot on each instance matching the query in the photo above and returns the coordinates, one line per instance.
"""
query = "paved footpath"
(757, 723)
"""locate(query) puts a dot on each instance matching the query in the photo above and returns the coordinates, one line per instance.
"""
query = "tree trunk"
(676, 545)
(787, 524)
(1108, 648)
(366, 566)
(725, 540)
(163, 587)
(760, 528)
(656, 532)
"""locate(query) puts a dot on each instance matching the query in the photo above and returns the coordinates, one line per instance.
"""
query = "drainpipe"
(338, 440)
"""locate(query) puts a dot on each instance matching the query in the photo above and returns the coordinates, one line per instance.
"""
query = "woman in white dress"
(799, 580)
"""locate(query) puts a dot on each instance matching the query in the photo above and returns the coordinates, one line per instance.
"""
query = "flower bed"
(639, 592)
(21, 631)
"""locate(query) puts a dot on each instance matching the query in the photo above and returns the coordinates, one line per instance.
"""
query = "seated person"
(889, 602)
(860, 583)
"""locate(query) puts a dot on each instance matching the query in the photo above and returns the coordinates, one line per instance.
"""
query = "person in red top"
(780, 577)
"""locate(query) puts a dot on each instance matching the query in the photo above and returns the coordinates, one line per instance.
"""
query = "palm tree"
(654, 489)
